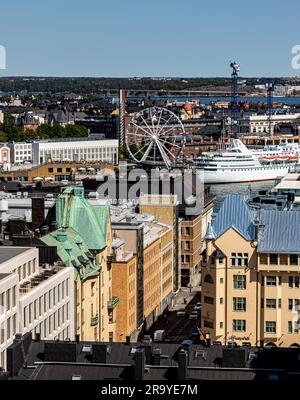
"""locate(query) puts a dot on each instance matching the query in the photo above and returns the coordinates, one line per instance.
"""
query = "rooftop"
(6, 253)
(48, 360)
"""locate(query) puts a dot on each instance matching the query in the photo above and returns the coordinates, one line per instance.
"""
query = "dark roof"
(119, 361)
(6, 253)
(3, 276)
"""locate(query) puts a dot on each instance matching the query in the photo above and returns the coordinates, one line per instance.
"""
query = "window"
(14, 296)
(294, 281)
(208, 279)
(93, 287)
(200, 354)
(270, 303)
(279, 303)
(239, 281)
(239, 325)
(270, 327)
(273, 259)
(208, 300)
(293, 259)
(271, 280)
(8, 300)
(221, 325)
(291, 303)
(239, 304)
(239, 260)
(292, 327)
(187, 245)
(221, 300)
(221, 280)
(263, 258)
(59, 170)
(208, 324)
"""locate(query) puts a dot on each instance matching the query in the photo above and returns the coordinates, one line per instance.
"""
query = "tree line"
(10, 132)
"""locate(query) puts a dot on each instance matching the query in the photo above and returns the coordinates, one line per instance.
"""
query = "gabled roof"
(73, 210)
(234, 213)
(73, 252)
(280, 232)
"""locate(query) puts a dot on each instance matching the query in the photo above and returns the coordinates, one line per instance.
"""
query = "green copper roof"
(73, 210)
(73, 252)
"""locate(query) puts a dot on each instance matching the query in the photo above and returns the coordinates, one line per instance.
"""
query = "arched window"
(208, 279)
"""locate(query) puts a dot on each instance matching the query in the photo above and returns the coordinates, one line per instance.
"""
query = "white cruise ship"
(237, 163)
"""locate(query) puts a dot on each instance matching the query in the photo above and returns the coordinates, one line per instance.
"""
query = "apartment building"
(251, 276)
(33, 298)
(142, 266)
(84, 243)
(260, 123)
(193, 229)
(188, 230)
(124, 276)
(165, 208)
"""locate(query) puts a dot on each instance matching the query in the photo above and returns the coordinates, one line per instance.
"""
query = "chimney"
(140, 362)
(148, 352)
(182, 365)
(208, 340)
(38, 212)
(156, 356)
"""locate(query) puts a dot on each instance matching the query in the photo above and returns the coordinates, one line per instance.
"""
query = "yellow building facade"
(250, 277)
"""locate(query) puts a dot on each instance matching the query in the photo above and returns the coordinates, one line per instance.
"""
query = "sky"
(126, 38)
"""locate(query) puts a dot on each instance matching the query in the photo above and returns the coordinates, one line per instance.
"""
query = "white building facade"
(260, 123)
(33, 298)
(20, 152)
(84, 149)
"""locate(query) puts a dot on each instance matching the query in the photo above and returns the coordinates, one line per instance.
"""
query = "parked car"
(197, 307)
(159, 335)
(194, 315)
(181, 314)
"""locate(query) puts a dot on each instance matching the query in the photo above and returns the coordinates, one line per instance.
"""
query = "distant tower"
(270, 91)
(122, 97)
(234, 96)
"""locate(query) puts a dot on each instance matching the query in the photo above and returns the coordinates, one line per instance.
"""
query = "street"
(176, 328)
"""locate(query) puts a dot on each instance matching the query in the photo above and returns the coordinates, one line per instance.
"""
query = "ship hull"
(240, 175)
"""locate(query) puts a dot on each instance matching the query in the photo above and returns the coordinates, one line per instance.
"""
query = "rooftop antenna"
(234, 96)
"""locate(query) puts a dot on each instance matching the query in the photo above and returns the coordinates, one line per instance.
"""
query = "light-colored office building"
(260, 123)
(33, 298)
(251, 276)
(83, 149)
(20, 152)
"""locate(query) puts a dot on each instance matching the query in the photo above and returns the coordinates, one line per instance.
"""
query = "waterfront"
(220, 190)
(293, 100)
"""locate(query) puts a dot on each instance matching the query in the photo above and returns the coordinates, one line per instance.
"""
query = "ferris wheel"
(155, 135)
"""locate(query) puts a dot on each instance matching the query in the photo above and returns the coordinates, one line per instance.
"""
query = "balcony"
(95, 320)
(112, 303)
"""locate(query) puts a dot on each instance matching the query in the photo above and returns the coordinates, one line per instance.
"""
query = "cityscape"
(149, 226)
